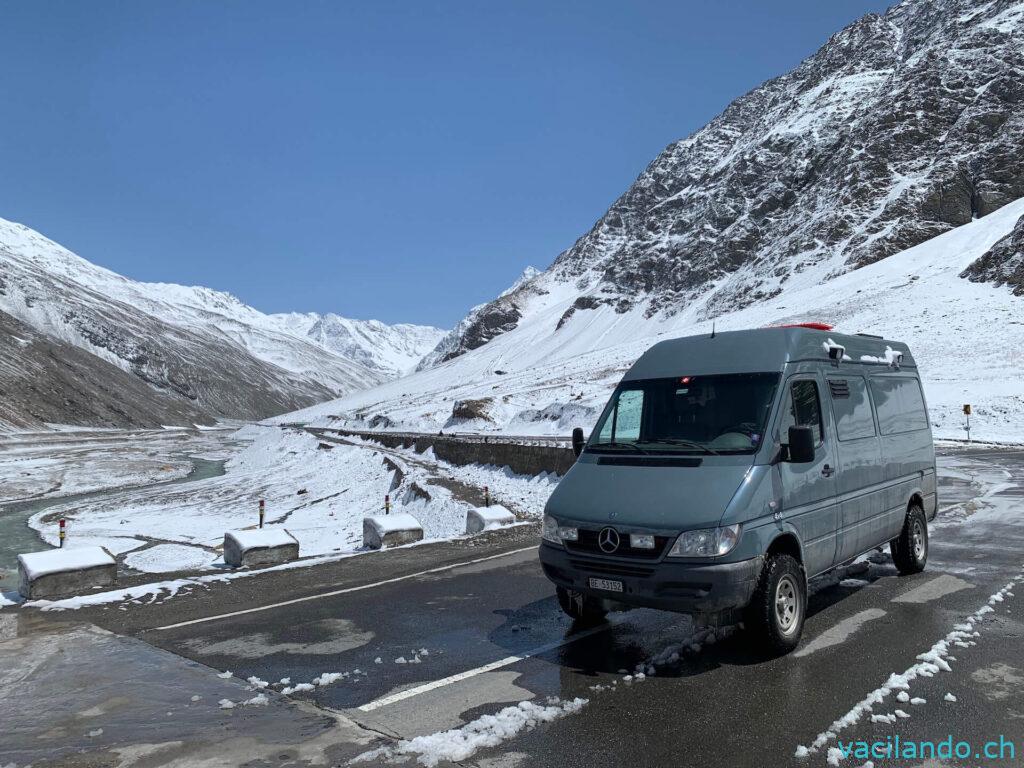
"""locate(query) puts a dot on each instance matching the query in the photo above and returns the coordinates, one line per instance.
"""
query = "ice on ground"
(487, 731)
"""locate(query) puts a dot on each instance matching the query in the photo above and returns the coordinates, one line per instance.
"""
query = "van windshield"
(687, 414)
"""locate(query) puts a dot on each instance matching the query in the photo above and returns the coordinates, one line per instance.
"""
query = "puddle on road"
(16, 537)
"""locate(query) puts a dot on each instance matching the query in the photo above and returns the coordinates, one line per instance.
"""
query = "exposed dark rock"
(1003, 264)
(465, 410)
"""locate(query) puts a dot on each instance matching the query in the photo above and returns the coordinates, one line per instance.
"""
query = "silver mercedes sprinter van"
(728, 469)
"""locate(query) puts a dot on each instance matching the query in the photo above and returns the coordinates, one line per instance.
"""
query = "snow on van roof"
(759, 350)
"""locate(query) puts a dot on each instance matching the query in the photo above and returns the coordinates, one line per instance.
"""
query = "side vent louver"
(839, 387)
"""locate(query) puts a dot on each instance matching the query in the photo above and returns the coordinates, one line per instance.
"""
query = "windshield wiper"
(688, 443)
(599, 446)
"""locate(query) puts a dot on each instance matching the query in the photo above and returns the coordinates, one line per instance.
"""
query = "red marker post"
(262, 511)
(62, 534)
(487, 496)
(387, 504)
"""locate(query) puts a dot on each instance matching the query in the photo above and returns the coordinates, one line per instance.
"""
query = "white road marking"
(508, 660)
(345, 591)
(841, 631)
(938, 587)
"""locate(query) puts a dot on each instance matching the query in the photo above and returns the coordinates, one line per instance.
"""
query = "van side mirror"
(801, 445)
(578, 441)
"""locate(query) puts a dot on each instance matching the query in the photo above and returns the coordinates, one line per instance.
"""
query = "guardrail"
(524, 455)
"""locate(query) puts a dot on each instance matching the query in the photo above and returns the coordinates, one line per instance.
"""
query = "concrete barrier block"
(65, 571)
(259, 546)
(489, 518)
(391, 530)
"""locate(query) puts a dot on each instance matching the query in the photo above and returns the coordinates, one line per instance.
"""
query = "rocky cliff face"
(899, 128)
(1003, 264)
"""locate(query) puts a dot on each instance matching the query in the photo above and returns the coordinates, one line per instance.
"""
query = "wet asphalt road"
(495, 625)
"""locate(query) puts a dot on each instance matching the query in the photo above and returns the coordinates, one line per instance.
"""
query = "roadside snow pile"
(936, 659)
(487, 731)
(963, 335)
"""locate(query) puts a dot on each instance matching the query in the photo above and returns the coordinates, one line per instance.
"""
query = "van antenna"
(712, 329)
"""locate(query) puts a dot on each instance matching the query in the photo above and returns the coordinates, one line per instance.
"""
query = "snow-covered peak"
(392, 349)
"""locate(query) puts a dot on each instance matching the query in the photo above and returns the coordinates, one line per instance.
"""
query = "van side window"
(804, 410)
(899, 403)
(852, 408)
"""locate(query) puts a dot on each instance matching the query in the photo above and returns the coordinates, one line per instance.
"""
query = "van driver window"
(804, 411)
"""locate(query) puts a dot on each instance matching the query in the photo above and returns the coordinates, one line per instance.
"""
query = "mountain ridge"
(902, 126)
(206, 353)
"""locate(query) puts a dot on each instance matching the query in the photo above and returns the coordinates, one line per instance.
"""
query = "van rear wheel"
(775, 616)
(910, 548)
(580, 607)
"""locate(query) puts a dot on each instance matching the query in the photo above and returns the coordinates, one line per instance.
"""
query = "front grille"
(587, 543)
(609, 568)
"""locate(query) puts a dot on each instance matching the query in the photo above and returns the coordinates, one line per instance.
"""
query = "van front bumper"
(685, 587)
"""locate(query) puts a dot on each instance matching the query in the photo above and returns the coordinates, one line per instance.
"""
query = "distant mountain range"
(80, 344)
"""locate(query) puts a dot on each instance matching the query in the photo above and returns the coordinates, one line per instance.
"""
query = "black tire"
(775, 617)
(910, 548)
(579, 607)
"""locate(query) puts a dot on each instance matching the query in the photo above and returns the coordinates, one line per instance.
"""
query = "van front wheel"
(775, 616)
(580, 607)
(910, 548)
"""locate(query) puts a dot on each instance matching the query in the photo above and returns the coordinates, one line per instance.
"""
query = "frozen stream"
(17, 537)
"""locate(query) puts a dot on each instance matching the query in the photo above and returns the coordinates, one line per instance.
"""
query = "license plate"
(606, 584)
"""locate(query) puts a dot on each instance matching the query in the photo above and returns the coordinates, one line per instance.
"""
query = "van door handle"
(827, 471)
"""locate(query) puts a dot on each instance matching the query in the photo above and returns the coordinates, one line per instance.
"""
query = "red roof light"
(812, 326)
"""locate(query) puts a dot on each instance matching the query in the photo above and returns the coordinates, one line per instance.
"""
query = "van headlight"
(555, 533)
(706, 542)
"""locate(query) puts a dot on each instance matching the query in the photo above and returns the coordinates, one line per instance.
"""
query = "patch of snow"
(487, 731)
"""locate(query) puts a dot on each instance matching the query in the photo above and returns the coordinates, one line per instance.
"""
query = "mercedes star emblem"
(608, 540)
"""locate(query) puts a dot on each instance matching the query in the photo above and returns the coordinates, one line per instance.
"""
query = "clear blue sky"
(396, 160)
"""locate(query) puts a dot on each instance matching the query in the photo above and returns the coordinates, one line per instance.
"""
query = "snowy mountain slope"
(472, 331)
(965, 336)
(214, 355)
(391, 349)
(901, 127)
(1003, 264)
(46, 381)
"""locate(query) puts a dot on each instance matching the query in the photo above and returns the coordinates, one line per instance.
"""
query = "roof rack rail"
(869, 336)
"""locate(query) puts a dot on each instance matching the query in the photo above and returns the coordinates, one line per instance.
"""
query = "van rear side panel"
(907, 450)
